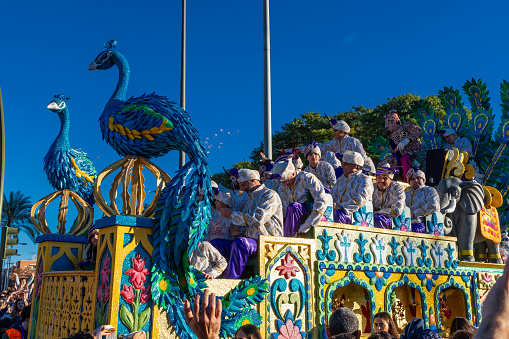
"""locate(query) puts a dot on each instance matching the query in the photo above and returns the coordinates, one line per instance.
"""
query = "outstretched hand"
(495, 310)
(205, 321)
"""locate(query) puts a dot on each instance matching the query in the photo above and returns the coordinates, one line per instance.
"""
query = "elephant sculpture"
(460, 203)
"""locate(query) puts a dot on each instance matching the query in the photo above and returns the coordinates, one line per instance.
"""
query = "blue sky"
(327, 56)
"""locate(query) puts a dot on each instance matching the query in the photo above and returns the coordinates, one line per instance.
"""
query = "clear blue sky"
(327, 56)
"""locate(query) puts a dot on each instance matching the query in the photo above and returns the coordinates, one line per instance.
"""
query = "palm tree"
(16, 213)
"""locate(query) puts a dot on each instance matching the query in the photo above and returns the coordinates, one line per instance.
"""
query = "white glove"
(304, 228)
(402, 144)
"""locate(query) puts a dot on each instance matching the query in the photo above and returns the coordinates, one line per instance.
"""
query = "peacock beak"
(93, 66)
(53, 106)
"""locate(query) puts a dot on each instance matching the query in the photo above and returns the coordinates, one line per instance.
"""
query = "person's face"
(20, 304)
(240, 335)
(450, 139)
(349, 168)
(383, 182)
(290, 182)
(380, 325)
(339, 134)
(391, 126)
(95, 239)
(313, 159)
(220, 204)
(249, 185)
(416, 182)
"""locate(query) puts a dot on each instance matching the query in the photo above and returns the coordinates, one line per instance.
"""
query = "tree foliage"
(365, 124)
(16, 213)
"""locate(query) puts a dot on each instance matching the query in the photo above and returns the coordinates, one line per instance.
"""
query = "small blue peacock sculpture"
(150, 126)
(68, 167)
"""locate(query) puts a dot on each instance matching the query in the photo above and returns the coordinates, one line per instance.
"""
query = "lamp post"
(267, 140)
(182, 155)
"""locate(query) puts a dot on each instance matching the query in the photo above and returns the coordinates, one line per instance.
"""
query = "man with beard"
(404, 142)
(421, 199)
(261, 216)
(388, 198)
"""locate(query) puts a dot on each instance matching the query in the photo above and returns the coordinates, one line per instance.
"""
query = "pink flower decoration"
(106, 293)
(39, 280)
(288, 269)
(99, 292)
(145, 295)
(289, 331)
(105, 271)
(128, 294)
(138, 273)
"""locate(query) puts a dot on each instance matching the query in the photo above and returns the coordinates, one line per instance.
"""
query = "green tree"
(365, 124)
(16, 213)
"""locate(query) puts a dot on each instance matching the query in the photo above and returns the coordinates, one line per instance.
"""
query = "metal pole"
(267, 140)
(2, 157)
(182, 155)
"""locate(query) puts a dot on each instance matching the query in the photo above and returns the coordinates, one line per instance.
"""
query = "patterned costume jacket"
(390, 202)
(407, 131)
(353, 192)
(206, 257)
(348, 143)
(263, 214)
(423, 201)
(325, 172)
(462, 144)
(305, 182)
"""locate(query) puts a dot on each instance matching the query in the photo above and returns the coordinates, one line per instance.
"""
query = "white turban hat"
(247, 175)
(282, 171)
(340, 125)
(352, 157)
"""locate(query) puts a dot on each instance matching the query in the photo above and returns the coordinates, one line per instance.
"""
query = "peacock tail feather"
(456, 117)
(429, 121)
(379, 146)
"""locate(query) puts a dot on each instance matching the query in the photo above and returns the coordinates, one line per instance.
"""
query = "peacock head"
(104, 59)
(58, 104)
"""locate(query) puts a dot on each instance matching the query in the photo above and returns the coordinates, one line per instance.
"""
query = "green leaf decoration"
(127, 318)
(144, 317)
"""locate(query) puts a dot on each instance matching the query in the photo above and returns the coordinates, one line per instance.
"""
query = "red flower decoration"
(145, 295)
(99, 292)
(128, 294)
(288, 269)
(138, 273)
(106, 293)
(105, 271)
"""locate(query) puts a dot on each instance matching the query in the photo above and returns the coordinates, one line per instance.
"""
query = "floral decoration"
(428, 280)
(378, 278)
(402, 223)
(103, 291)
(136, 295)
(289, 329)
(39, 280)
(434, 227)
(288, 268)
(363, 218)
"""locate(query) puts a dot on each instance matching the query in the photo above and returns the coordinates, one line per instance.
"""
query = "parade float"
(142, 273)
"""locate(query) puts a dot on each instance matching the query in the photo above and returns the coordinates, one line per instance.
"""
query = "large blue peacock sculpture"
(150, 126)
(68, 167)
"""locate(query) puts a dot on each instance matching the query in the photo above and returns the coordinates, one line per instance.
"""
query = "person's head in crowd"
(416, 178)
(81, 335)
(384, 176)
(352, 162)
(461, 334)
(313, 154)
(25, 318)
(448, 135)
(383, 322)
(248, 331)
(223, 198)
(381, 335)
(343, 321)
(248, 180)
(5, 323)
(18, 306)
(93, 236)
(460, 323)
(340, 129)
(413, 329)
(284, 171)
(392, 121)
(428, 334)
(265, 169)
